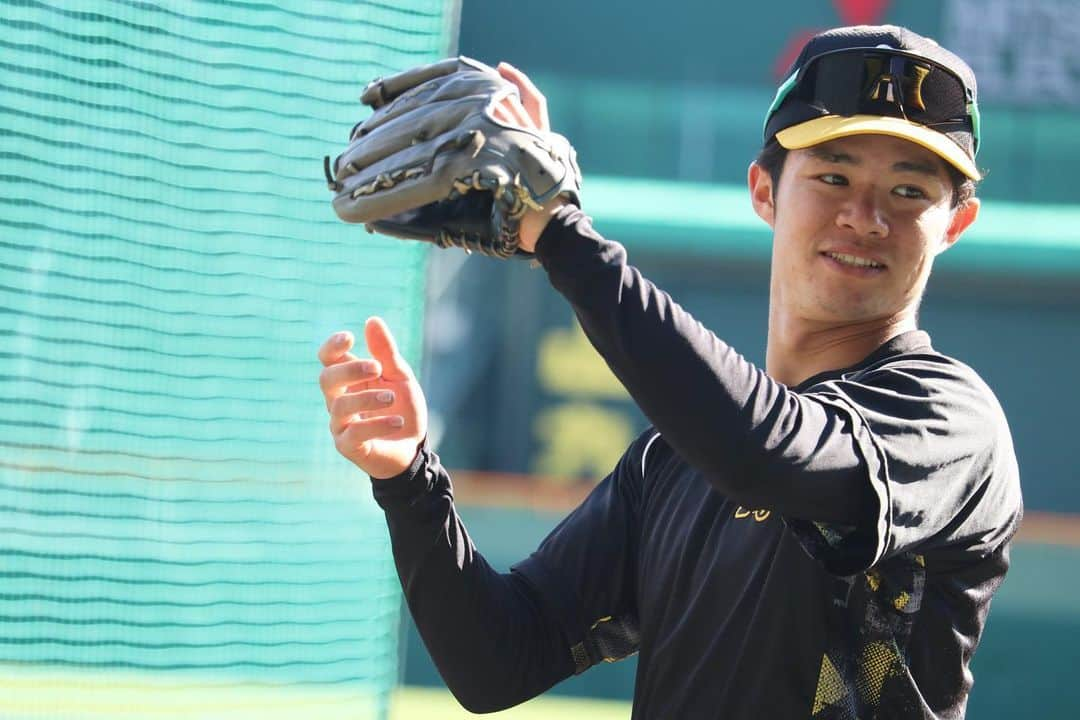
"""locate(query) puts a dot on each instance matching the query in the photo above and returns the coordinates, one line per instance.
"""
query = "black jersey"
(824, 551)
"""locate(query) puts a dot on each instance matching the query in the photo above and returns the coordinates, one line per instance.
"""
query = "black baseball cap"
(879, 79)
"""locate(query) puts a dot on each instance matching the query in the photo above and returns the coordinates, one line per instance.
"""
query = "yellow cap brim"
(819, 130)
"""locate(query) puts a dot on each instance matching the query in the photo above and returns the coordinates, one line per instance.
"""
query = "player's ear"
(962, 219)
(761, 193)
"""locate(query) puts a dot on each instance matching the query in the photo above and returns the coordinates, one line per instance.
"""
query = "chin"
(848, 312)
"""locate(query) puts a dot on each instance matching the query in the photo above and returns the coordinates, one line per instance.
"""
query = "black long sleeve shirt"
(827, 550)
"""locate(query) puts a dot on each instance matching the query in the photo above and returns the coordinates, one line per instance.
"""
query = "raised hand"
(529, 112)
(378, 415)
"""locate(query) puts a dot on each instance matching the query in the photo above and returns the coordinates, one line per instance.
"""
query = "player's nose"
(862, 213)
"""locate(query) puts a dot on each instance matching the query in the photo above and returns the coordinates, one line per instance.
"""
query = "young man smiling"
(820, 538)
(857, 222)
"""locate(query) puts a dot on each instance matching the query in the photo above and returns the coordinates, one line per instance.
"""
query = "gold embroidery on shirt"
(759, 515)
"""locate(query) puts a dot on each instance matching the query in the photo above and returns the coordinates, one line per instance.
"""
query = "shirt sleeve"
(821, 457)
(585, 570)
(487, 632)
(940, 461)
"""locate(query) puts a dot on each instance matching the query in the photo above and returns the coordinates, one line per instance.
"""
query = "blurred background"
(177, 535)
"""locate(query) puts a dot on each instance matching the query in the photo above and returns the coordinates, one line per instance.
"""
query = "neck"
(799, 349)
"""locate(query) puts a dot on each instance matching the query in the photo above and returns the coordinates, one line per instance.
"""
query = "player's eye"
(910, 192)
(832, 179)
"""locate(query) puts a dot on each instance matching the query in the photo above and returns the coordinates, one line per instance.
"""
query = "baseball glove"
(433, 163)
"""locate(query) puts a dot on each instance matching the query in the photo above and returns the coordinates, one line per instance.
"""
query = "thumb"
(382, 347)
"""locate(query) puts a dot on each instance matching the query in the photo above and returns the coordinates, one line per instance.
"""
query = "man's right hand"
(378, 415)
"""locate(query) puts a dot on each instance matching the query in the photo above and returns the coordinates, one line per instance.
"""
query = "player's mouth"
(853, 264)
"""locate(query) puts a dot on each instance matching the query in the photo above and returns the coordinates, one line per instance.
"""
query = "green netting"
(178, 536)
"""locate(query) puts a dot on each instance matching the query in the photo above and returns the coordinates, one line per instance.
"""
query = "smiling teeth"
(852, 260)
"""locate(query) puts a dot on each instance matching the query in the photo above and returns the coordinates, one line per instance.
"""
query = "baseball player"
(817, 538)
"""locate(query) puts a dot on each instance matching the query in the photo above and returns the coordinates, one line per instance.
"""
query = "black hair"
(772, 156)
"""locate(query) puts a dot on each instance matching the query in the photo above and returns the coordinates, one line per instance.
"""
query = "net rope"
(179, 536)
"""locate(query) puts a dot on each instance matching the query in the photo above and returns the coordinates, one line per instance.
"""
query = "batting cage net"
(179, 537)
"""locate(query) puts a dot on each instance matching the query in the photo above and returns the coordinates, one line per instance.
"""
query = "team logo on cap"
(897, 85)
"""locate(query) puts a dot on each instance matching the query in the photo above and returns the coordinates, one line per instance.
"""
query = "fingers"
(337, 379)
(510, 111)
(532, 99)
(384, 349)
(358, 432)
(336, 349)
(348, 408)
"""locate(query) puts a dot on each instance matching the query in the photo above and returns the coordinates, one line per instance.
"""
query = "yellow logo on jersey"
(758, 515)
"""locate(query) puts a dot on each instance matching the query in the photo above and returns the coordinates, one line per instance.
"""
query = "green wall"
(680, 91)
